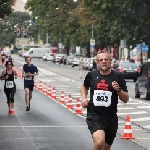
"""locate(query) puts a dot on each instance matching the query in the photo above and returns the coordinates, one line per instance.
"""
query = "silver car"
(50, 56)
(76, 60)
(69, 60)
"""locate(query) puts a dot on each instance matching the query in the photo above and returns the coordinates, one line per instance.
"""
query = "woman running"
(9, 86)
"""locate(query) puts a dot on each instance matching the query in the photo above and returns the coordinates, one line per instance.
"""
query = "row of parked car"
(72, 60)
(130, 70)
(140, 75)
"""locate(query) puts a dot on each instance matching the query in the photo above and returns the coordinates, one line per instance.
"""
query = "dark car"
(62, 60)
(129, 70)
(142, 86)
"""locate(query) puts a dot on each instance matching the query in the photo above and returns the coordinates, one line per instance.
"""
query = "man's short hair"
(27, 58)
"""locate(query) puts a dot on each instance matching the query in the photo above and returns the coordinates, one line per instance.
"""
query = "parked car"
(76, 59)
(44, 56)
(57, 57)
(142, 86)
(90, 66)
(129, 70)
(64, 60)
(50, 56)
(69, 60)
(86, 63)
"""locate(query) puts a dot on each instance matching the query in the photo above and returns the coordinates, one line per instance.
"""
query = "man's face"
(104, 61)
(28, 61)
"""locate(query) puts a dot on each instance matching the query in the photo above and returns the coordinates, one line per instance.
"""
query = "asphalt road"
(49, 125)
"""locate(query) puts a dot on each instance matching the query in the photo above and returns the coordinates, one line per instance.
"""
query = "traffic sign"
(145, 48)
(92, 42)
(91, 48)
(138, 46)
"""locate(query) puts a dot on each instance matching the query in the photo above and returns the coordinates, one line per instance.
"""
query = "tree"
(5, 8)
(8, 29)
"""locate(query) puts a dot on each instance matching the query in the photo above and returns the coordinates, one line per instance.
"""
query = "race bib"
(9, 84)
(102, 98)
(28, 77)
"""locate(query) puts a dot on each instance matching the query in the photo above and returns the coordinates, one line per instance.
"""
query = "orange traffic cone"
(49, 91)
(35, 84)
(127, 130)
(69, 104)
(78, 107)
(53, 95)
(44, 90)
(40, 86)
(62, 99)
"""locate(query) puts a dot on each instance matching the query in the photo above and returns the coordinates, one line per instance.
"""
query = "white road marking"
(141, 119)
(125, 108)
(44, 126)
(148, 126)
(132, 113)
(143, 106)
(131, 103)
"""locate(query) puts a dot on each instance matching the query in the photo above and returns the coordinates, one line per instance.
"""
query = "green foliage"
(113, 20)
(8, 29)
(5, 8)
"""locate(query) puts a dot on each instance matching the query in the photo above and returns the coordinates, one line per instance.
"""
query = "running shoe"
(29, 105)
(12, 112)
(9, 112)
(27, 108)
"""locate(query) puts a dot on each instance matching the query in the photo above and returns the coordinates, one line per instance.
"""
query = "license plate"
(130, 71)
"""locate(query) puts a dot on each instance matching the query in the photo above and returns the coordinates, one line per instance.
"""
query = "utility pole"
(23, 38)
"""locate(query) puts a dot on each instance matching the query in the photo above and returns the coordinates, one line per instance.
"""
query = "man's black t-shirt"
(95, 81)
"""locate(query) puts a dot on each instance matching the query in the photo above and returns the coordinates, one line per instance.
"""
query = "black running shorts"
(30, 87)
(3, 60)
(109, 129)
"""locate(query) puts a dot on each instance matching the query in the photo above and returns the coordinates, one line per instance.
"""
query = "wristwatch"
(119, 89)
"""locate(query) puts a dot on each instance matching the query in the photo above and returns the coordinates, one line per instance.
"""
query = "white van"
(37, 52)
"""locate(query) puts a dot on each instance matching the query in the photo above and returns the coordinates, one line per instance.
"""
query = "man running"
(29, 71)
(3, 56)
(105, 86)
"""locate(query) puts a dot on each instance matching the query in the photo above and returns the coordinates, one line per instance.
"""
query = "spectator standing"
(80, 68)
(3, 56)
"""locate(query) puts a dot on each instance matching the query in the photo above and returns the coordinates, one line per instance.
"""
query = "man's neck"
(105, 73)
(28, 65)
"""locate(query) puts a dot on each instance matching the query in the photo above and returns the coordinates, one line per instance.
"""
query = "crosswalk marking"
(141, 119)
(132, 113)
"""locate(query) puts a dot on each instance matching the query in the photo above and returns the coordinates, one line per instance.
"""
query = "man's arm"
(123, 96)
(84, 93)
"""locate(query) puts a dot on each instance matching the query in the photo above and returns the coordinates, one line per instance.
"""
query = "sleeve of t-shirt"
(122, 83)
(24, 67)
(87, 81)
(35, 69)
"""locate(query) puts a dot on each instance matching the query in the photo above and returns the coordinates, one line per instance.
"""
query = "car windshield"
(129, 65)
(77, 56)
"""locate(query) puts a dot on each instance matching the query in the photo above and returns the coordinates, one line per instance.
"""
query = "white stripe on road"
(132, 113)
(148, 126)
(141, 119)
(125, 108)
(131, 103)
(143, 106)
